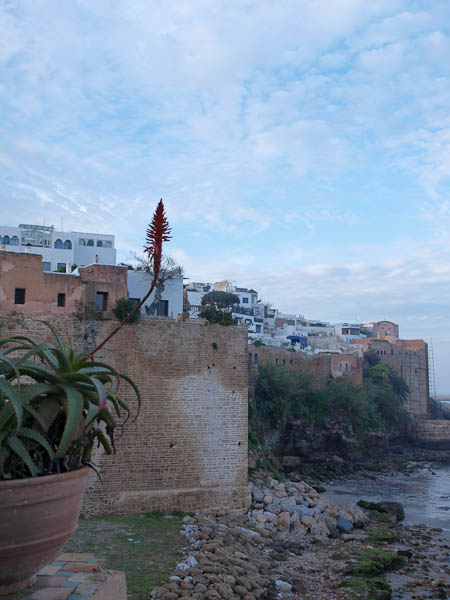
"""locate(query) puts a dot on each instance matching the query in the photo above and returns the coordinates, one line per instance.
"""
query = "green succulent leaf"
(73, 406)
(18, 447)
(10, 392)
(26, 432)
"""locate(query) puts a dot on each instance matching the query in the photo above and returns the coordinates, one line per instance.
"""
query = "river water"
(425, 494)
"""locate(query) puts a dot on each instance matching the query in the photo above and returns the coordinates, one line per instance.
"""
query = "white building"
(59, 249)
(171, 302)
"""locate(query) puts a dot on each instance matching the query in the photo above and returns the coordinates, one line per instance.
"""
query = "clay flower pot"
(37, 515)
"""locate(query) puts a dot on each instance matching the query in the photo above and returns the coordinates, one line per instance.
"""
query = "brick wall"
(24, 271)
(432, 434)
(320, 366)
(188, 449)
(408, 358)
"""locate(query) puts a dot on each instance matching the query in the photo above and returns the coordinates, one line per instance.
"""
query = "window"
(107, 244)
(101, 300)
(340, 367)
(90, 243)
(6, 240)
(82, 242)
(346, 367)
(99, 244)
(67, 245)
(59, 244)
(61, 300)
(249, 360)
(244, 300)
(19, 296)
(256, 359)
(276, 361)
(61, 267)
(14, 240)
(284, 362)
(291, 362)
(46, 266)
(258, 328)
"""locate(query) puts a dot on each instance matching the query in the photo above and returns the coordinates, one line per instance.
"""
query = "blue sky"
(301, 147)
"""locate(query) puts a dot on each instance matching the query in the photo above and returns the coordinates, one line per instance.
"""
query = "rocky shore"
(294, 543)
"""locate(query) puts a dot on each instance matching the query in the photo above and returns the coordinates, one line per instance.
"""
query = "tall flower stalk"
(158, 232)
(55, 402)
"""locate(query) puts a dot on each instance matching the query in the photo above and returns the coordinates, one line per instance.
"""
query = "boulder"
(302, 510)
(392, 508)
(274, 508)
(343, 524)
(258, 495)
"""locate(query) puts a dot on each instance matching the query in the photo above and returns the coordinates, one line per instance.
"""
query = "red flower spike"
(157, 233)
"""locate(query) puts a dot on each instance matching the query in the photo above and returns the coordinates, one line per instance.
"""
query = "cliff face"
(333, 439)
(303, 440)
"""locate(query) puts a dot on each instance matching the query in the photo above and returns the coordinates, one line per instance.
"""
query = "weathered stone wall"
(320, 366)
(24, 271)
(408, 358)
(433, 434)
(188, 448)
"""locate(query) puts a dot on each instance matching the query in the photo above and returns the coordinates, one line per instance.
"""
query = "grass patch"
(380, 535)
(372, 588)
(143, 546)
(375, 562)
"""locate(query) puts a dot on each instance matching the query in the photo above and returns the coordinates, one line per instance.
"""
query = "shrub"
(124, 306)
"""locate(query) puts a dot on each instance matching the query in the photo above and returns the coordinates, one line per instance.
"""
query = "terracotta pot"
(37, 516)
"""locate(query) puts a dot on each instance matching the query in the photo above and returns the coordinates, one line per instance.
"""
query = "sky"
(301, 148)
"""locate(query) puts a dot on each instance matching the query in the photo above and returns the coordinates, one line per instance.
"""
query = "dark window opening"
(99, 244)
(161, 309)
(90, 243)
(19, 296)
(61, 300)
(249, 359)
(59, 244)
(256, 359)
(68, 245)
(101, 300)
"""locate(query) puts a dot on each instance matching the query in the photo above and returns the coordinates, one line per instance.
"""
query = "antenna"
(62, 223)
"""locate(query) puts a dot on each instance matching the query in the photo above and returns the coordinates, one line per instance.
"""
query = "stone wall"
(434, 434)
(41, 289)
(188, 448)
(320, 366)
(408, 358)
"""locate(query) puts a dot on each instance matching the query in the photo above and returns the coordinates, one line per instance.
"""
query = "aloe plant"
(55, 402)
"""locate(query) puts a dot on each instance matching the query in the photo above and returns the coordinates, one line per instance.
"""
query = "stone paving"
(75, 577)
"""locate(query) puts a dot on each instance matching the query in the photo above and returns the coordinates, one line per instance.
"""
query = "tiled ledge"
(75, 577)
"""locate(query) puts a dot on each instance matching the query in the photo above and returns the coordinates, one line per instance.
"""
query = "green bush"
(376, 406)
(123, 308)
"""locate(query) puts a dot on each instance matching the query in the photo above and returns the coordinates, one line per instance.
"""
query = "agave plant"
(55, 403)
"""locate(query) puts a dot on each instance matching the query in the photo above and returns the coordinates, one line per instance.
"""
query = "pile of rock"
(236, 556)
(296, 509)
